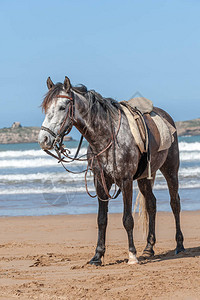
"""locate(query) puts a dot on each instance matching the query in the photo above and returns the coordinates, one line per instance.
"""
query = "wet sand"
(46, 258)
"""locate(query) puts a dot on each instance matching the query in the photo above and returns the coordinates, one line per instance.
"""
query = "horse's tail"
(141, 203)
(143, 217)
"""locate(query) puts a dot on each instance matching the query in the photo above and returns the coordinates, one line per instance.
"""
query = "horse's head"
(58, 108)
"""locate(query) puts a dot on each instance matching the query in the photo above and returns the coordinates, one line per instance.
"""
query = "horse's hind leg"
(170, 172)
(145, 187)
(102, 224)
(128, 222)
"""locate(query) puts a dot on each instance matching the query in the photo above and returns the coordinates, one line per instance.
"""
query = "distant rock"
(16, 125)
(191, 127)
(18, 134)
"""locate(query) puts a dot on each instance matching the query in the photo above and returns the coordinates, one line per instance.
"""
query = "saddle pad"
(166, 131)
(134, 129)
(144, 105)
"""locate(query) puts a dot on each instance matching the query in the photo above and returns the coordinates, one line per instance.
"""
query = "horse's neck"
(95, 133)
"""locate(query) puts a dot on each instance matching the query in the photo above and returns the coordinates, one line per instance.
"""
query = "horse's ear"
(50, 83)
(67, 84)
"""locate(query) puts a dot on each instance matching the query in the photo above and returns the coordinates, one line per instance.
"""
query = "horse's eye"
(62, 108)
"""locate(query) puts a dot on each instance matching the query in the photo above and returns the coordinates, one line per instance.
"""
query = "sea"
(34, 184)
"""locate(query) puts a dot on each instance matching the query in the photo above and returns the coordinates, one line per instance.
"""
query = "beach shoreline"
(46, 257)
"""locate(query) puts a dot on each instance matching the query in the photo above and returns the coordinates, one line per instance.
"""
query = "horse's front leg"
(102, 224)
(128, 222)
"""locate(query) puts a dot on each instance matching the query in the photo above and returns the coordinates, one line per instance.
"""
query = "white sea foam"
(183, 172)
(27, 153)
(79, 189)
(189, 185)
(34, 153)
(28, 163)
(190, 156)
(52, 190)
(186, 172)
(183, 146)
(34, 163)
(44, 177)
(38, 158)
(68, 177)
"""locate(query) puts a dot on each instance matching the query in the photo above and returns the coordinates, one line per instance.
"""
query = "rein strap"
(60, 149)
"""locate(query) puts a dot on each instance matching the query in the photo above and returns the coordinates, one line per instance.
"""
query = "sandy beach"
(46, 258)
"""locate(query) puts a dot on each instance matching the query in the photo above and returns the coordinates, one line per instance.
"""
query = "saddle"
(143, 119)
(145, 123)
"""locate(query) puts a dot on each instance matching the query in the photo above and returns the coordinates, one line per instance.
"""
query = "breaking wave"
(183, 146)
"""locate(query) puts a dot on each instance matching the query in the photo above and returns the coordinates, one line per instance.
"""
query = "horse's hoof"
(132, 259)
(147, 253)
(95, 262)
(178, 250)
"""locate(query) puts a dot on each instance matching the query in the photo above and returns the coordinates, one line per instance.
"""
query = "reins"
(103, 180)
(60, 150)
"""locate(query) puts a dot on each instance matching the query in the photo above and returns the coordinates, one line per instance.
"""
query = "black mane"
(104, 108)
(97, 103)
(101, 107)
(53, 92)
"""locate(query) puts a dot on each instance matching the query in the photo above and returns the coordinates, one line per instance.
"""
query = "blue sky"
(115, 47)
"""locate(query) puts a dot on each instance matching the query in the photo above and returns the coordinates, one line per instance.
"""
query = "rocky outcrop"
(19, 134)
(191, 127)
(16, 125)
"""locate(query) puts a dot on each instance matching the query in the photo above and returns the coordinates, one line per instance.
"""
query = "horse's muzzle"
(45, 140)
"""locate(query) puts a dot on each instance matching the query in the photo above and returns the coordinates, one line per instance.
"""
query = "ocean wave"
(190, 185)
(81, 189)
(52, 190)
(190, 156)
(183, 173)
(34, 153)
(188, 151)
(44, 177)
(27, 153)
(187, 172)
(183, 146)
(51, 162)
(28, 163)
(69, 177)
(35, 163)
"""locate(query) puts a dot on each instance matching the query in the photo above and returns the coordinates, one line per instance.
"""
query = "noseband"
(63, 131)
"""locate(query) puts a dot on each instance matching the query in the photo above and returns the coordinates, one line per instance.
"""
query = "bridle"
(60, 150)
(63, 130)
